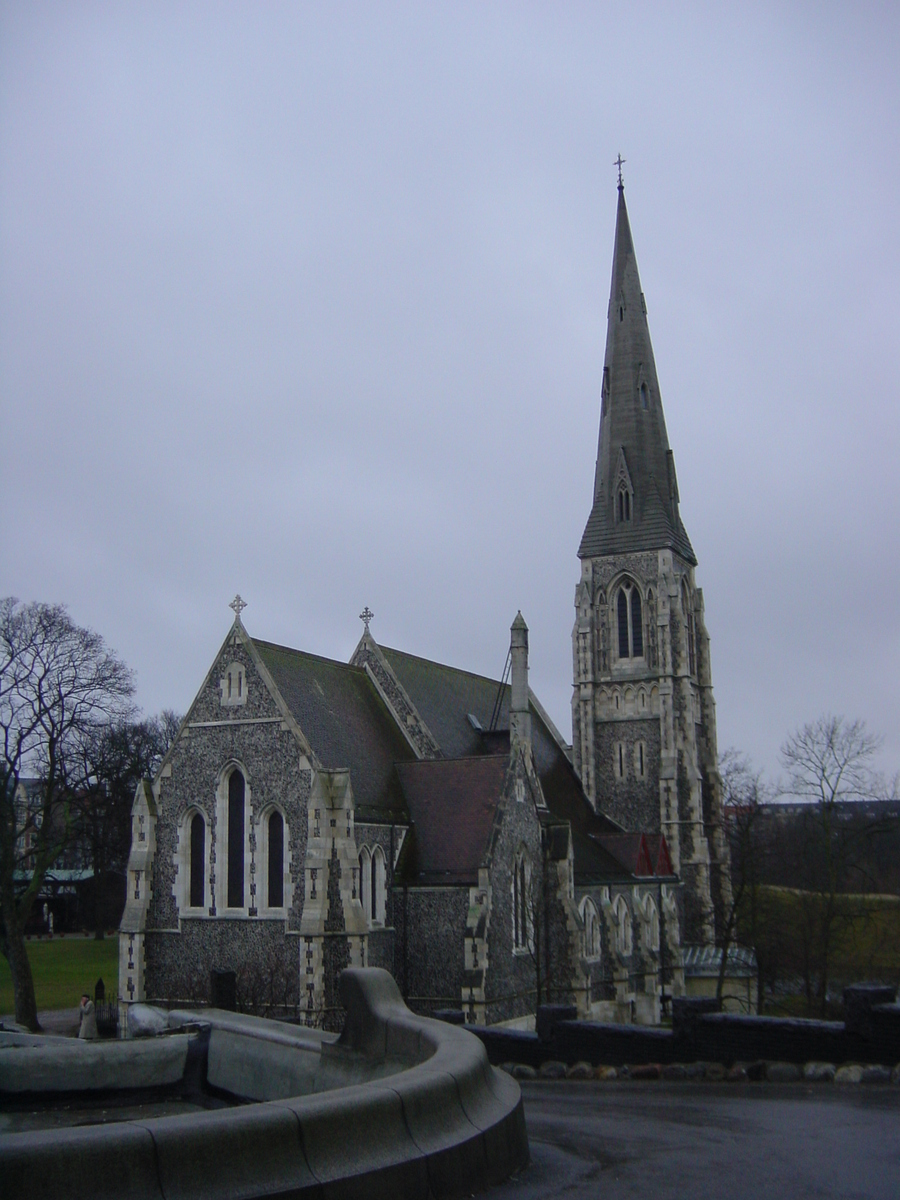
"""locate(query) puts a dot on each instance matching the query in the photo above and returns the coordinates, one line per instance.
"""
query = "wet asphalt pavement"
(692, 1141)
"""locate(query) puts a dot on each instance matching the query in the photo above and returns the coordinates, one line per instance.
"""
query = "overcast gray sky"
(308, 301)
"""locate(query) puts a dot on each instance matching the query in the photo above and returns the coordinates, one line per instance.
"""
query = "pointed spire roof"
(635, 489)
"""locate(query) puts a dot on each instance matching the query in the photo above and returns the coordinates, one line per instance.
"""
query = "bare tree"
(58, 683)
(114, 758)
(829, 762)
(744, 795)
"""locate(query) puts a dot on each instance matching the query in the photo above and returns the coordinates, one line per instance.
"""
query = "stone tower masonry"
(643, 715)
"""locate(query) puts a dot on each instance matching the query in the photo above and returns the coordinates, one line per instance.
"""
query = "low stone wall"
(443, 1123)
(871, 1034)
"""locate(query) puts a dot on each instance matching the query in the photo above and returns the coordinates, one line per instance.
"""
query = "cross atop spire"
(366, 616)
(620, 162)
(238, 605)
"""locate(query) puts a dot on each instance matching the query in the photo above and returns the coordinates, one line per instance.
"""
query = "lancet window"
(629, 616)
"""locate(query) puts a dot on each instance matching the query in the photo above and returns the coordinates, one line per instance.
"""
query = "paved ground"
(692, 1141)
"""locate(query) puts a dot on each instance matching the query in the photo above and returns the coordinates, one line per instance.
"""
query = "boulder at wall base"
(674, 1071)
(782, 1072)
(581, 1070)
(606, 1074)
(819, 1072)
(714, 1073)
(523, 1071)
(645, 1071)
(851, 1073)
(895, 1074)
(552, 1070)
(737, 1074)
(876, 1074)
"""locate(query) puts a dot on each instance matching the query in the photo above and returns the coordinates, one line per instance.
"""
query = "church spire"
(635, 491)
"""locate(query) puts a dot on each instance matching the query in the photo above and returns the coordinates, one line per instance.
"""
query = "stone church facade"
(393, 811)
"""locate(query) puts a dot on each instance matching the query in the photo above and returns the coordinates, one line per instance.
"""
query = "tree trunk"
(20, 969)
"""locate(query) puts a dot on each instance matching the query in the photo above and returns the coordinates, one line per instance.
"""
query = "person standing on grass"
(88, 1027)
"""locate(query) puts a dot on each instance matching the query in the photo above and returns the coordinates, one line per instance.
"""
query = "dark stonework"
(265, 963)
(430, 928)
(633, 802)
(334, 920)
(253, 736)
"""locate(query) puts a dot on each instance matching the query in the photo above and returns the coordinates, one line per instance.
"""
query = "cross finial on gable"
(366, 616)
(238, 605)
(620, 162)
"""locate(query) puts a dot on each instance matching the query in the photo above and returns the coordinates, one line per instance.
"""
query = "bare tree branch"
(58, 683)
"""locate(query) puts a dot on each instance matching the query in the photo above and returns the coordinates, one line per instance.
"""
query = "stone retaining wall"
(871, 1034)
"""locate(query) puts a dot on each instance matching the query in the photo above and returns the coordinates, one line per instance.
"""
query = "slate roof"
(705, 961)
(633, 424)
(651, 527)
(346, 722)
(445, 695)
(450, 801)
(452, 804)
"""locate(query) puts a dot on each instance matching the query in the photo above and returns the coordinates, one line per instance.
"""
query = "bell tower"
(643, 715)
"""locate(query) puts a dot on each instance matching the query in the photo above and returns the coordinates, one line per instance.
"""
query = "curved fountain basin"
(398, 1105)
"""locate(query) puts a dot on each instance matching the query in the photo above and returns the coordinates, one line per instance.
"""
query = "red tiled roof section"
(659, 854)
(631, 850)
(452, 804)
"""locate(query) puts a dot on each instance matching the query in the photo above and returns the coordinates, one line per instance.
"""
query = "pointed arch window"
(521, 889)
(198, 862)
(275, 860)
(651, 924)
(365, 881)
(645, 396)
(373, 884)
(630, 620)
(623, 926)
(377, 886)
(236, 792)
(623, 504)
(690, 633)
(591, 929)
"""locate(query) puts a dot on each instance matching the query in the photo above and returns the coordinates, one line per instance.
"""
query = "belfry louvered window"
(630, 621)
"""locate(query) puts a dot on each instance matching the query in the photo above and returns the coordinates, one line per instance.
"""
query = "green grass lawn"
(63, 969)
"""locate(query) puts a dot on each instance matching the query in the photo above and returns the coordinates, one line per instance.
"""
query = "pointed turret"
(635, 490)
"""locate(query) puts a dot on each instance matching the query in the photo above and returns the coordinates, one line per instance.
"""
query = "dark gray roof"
(444, 696)
(632, 423)
(453, 804)
(346, 723)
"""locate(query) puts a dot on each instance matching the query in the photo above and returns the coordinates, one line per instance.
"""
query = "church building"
(393, 811)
